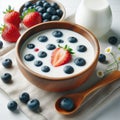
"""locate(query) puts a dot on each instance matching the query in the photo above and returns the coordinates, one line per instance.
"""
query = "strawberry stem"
(8, 10)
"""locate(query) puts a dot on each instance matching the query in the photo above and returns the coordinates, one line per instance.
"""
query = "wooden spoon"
(78, 98)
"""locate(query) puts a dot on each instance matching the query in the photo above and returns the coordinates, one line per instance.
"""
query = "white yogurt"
(57, 72)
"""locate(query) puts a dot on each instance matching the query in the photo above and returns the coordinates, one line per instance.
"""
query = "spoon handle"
(115, 75)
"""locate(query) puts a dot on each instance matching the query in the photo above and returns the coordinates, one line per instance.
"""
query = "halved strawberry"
(61, 56)
(12, 16)
(31, 18)
(9, 32)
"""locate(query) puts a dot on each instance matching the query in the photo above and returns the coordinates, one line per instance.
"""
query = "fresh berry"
(55, 17)
(57, 33)
(60, 41)
(61, 56)
(29, 57)
(112, 40)
(28, 4)
(46, 4)
(33, 104)
(30, 46)
(51, 10)
(67, 104)
(68, 69)
(72, 39)
(6, 77)
(50, 46)
(102, 58)
(46, 15)
(81, 48)
(12, 105)
(79, 61)
(7, 63)
(31, 18)
(24, 97)
(9, 33)
(12, 17)
(59, 12)
(54, 5)
(43, 38)
(42, 54)
(1, 44)
(45, 68)
(38, 63)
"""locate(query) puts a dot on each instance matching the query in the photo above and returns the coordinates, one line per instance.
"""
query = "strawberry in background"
(12, 16)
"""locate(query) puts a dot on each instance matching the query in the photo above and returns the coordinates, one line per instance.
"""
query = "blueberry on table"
(45, 68)
(68, 69)
(67, 104)
(29, 57)
(72, 39)
(50, 46)
(81, 48)
(6, 77)
(42, 54)
(102, 58)
(57, 33)
(33, 104)
(43, 38)
(38, 63)
(60, 41)
(79, 61)
(12, 105)
(1, 44)
(24, 97)
(7, 63)
(112, 40)
(30, 46)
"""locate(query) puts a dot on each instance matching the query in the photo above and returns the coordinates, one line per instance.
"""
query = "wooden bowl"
(52, 83)
(50, 1)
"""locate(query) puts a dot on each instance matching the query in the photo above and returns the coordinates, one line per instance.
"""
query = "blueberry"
(50, 46)
(59, 12)
(68, 69)
(46, 4)
(60, 41)
(30, 46)
(46, 15)
(72, 39)
(45, 20)
(6, 77)
(43, 38)
(67, 104)
(55, 17)
(39, 3)
(7, 63)
(24, 97)
(38, 63)
(41, 10)
(51, 10)
(79, 61)
(45, 68)
(54, 5)
(57, 33)
(112, 40)
(12, 105)
(1, 44)
(102, 58)
(33, 104)
(42, 54)
(81, 48)
(29, 57)
(28, 4)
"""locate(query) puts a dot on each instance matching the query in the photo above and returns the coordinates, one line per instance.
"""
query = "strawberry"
(9, 32)
(61, 56)
(12, 16)
(31, 18)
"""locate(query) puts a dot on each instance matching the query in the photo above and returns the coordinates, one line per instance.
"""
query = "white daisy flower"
(108, 50)
(100, 74)
(118, 58)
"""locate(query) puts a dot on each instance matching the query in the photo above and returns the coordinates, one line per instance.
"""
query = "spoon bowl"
(78, 98)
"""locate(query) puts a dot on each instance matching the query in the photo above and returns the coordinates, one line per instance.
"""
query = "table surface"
(112, 111)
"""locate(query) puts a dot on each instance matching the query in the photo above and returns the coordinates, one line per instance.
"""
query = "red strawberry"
(12, 16)
(61, 56)
(9, 33)
(31, 18)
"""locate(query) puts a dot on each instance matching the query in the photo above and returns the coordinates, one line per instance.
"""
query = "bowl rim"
(86, 31)
(61, 6)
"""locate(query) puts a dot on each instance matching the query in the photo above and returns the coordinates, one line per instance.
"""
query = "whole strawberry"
(31, 18)
(9, 32)
(12, 16)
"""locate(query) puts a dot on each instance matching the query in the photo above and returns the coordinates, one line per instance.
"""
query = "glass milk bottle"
(95, 15)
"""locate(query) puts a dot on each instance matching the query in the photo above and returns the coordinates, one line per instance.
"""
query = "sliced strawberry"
(9, 33)
(61, 56)
(31, 18)
(12, 16)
